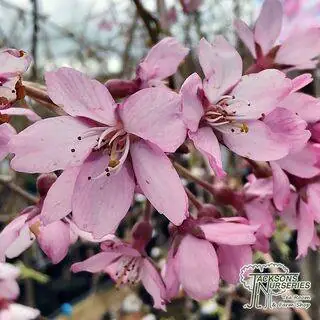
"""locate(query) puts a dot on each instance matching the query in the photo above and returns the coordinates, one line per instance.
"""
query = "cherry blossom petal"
(9, 290)
(96, 263)
(6, 133)
(8, 271)
(192, 109)
(14, 62)
(171, 278)
(302, 163)
(162, 60)
(259, 143)
(31, 115)
(55, 247)
(229, 233)
(17, 311)
(270, 86)
(268, 25)
(313, 194)
(10, 233)
(222, 66)
(153, 283)
(259, 212)
(305, 229)
(304, 105)
(288, 127)
(81, 96)
(301, 81)
(159, 181)
(100, 204)
(48, 145)
(207, 143)
(154, 114)
(299, 47)
(246, 35)
(197, 267)
(57, 204)
(289, 214)
(21, 243)
(231, 260)
(281, 187)
(8, 93)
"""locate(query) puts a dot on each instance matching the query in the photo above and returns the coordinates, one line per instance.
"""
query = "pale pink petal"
(222, 66)
(270, 86)
(259, 187)
(302, 163)
(8, 93)
(192, 109)
(313, 196)
(268, 25)
(159, 181)
(6, 133)
(119, 247)
(171, 278)
(54, 240)
(57, 203)
(288, 127)
(246, 35)
(207, 143)
(48, 145)
(13, 62)
(21, 243)
(96, 263)
(9, 289)
(10, 233)
(259, 143)
(100, 204)
(260, 213)
(305, 228)
(281, 187)
(20, 312)
(8, 271)
(231, 260)
(154, 114)
(162, 60)
(299, 47)
(31, 115)
(229, 233)
(304, 105)
(301, 81)
(153, 283)
(81, 96)
(289, 214)
(197, 268)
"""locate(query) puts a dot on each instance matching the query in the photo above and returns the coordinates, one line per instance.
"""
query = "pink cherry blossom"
(195, 264)
(190, 6)
(298, 50)
(226, 106)
(128, 264)
(13, 63)
(161, 62)
(24, 230)
(6, 133)
(114, 146)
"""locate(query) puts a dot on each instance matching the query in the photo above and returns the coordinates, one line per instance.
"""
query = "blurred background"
(106, 39)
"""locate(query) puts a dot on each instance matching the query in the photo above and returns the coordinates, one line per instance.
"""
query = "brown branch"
(34, 50)
(193, 199)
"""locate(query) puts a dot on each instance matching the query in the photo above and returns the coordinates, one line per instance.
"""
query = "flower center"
(128, 271)
(224, 112)
(112, 141)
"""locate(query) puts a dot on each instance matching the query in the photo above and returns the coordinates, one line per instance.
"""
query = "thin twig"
(18, 190)
(193, 199)
(34, 50)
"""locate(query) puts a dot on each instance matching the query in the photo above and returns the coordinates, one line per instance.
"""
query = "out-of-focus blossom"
(161, 62)
(241, 111)
(112, 146)
(13, 64)
(6, 133)
(298, 50)
(9, 291)
(190, 6)
(204, 250)
(128, 264)
(20, 234)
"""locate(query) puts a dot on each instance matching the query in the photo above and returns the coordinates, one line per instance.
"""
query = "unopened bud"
(44, 183)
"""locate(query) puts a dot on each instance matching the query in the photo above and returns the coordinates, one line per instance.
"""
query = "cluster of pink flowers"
(121, 138)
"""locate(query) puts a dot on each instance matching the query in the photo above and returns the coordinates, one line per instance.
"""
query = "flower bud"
(44, 183)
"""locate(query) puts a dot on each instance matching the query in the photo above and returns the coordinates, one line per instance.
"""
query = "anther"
(89, 178)
(73, 150)
(79, 138)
